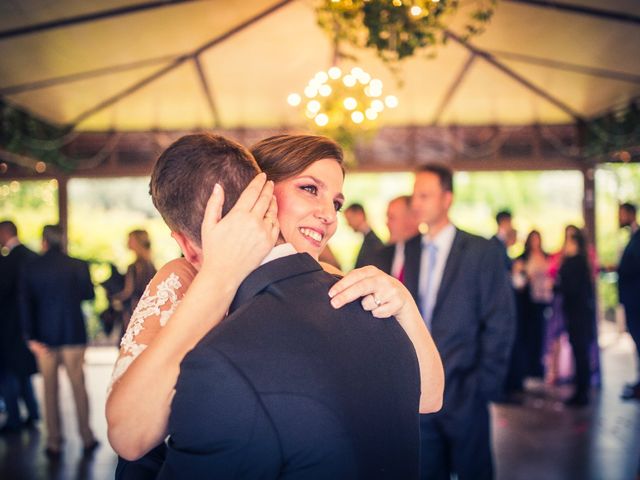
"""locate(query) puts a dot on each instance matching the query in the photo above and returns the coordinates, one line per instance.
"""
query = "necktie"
(428, 296)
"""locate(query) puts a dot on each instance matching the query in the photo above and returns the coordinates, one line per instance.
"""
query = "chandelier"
(343, 105)
(396, 28)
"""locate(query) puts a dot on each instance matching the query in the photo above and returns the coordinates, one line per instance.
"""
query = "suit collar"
(273, 272)
(412, 249)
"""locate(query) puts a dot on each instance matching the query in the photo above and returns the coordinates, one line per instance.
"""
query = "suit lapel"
(271, 273)
(412, 252)
(451, 267)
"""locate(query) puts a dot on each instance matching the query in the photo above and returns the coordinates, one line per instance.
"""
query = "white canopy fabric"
(134, 69)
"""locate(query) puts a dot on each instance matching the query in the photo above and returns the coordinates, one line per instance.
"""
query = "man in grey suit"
(461, 286)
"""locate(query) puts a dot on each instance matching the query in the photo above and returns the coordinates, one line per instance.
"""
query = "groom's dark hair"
(186, 172)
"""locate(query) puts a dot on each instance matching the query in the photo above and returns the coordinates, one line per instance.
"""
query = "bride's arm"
(370, 283)
(138, 406)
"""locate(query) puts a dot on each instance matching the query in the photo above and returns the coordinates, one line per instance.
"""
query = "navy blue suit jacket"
(384, 258)
(54, 286)
(473, 322)
(629, 274)
(371, 245)
(508, 263)
(14, 354)
(288, 387)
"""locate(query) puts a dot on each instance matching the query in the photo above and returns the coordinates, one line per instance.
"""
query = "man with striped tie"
(459, 282)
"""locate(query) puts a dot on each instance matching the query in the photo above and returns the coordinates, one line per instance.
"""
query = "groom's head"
(185, 174)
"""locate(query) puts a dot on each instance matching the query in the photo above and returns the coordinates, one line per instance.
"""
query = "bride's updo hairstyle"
(285, 156)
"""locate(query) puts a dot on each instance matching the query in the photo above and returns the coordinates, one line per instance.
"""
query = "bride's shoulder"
(176, 271)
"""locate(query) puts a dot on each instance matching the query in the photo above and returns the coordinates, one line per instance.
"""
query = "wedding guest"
(138, 275)
(629, 285)
(575, 283)
(534, 289)
(54, 287)
(371, 244)
(466, 299)
(17, 363)
(403, 224)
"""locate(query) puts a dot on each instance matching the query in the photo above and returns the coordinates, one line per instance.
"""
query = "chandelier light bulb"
(364, 78)
(313, 106)
(315, 83)
(376, 84)
(350, 103)
(321, 77)
(294, 99)
(374, 93)
(371, 114)
(335, 73)
(391, 101)
(416, 11)
(357, 116)
(349, 80)
(325, 90)
(322, 119)
(310, 91)
(377, 105)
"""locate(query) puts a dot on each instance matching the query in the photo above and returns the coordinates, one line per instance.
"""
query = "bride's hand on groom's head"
(382, 294)
(234, 245)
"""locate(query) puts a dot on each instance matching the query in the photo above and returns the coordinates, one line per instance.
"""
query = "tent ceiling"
(567, 63)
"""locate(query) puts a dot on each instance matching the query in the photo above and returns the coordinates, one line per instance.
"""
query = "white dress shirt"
(279, 251)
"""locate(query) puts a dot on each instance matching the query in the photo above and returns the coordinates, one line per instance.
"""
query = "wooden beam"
(569, 67)
(582, 10)
(208, 95)
(517, 77)
(452, 89)
(74, 77)
(90, 17)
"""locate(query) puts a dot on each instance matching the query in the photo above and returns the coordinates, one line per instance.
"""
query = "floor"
(540, 439)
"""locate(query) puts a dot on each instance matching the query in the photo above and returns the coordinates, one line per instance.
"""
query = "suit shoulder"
(475, 240)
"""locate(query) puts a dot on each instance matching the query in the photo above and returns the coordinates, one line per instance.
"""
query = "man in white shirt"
(462, 289)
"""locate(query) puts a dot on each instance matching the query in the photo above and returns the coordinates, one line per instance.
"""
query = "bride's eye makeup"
(312, 189)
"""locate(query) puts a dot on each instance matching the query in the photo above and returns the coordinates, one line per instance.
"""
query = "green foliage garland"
(396, 28)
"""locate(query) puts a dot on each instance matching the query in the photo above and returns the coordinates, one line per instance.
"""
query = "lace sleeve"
(158, 302)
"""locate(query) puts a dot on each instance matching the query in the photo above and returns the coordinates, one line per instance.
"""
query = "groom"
(287, 386)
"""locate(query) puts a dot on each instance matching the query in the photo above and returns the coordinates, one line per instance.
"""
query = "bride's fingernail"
(216, 189)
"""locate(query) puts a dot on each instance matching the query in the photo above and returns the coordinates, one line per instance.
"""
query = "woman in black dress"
(577, 289)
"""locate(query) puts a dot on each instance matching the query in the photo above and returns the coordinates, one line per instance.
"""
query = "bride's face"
(308, 204)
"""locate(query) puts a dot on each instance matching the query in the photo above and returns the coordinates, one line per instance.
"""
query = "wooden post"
(589, 203)
(63, 211)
